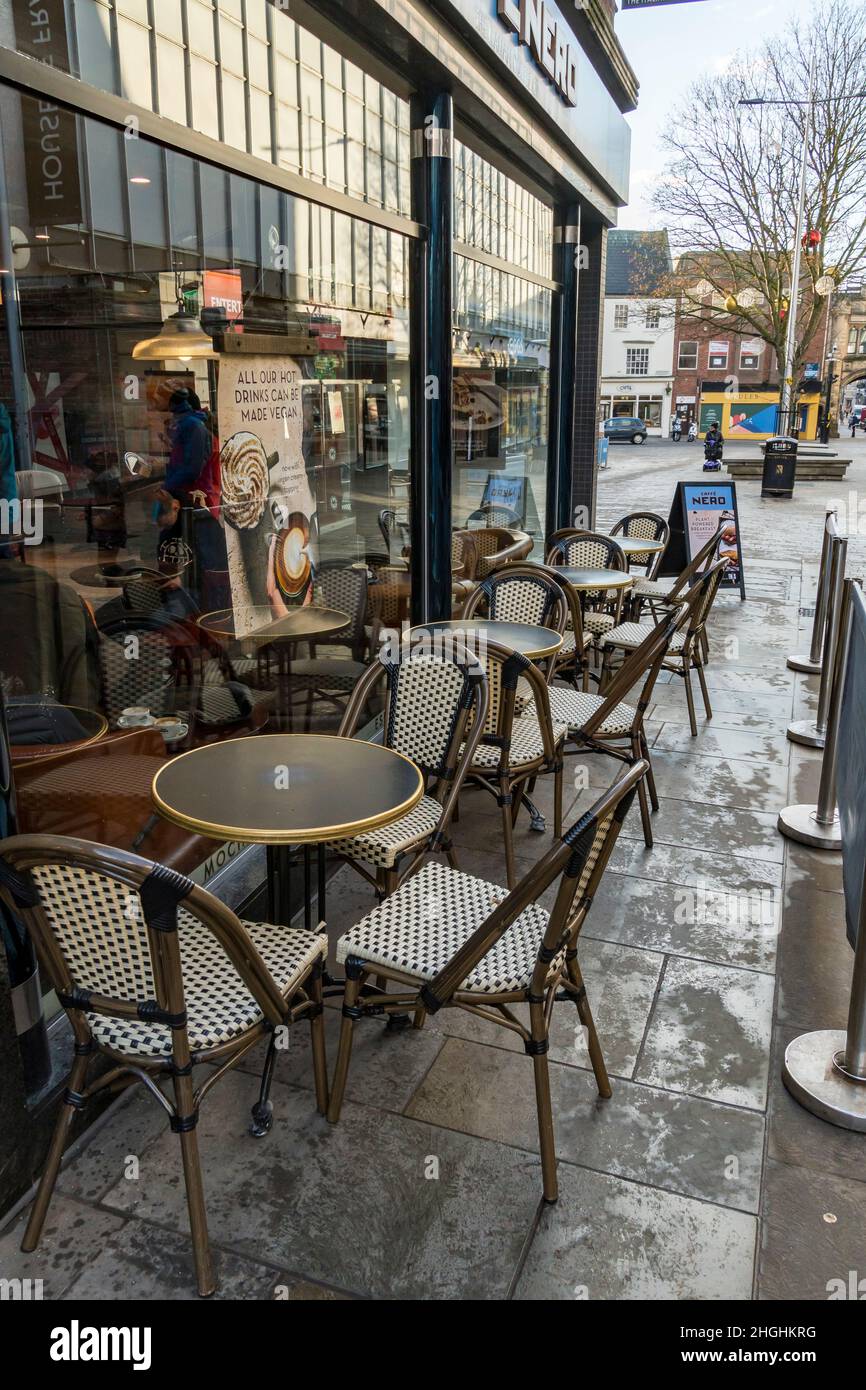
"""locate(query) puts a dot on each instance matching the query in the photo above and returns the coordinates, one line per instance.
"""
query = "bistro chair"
(668, 591)
(497, 546)
(394, 529)
(448, 940)
(512, 750)
(608, 723)
(156, 976)
(519, 593)
(332, 677)
(435, 710)
(686, 652)
(494, 514)
(590, 550)
(645, 526)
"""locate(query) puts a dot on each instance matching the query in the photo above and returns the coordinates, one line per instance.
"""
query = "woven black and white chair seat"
(425, 922)
(598, 623)
(527, 744)
(631, 635)
(653, 588)
(384, 846)
(219, 1005)
(575, 707)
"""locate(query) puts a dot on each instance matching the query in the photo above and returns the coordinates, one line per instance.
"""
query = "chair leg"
(317, 1040)
(645, 813)
(354, 978)
(704, 692)
(690, 699)
(192, 1176)
(557, 795)
(584, 1013)
(650, 774)
(547, 1142)
(507, 831)
(263, 1111)
(75, 1085)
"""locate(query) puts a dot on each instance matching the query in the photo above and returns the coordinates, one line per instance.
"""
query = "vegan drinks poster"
(267, 504)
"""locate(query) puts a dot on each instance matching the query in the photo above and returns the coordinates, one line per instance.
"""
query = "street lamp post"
(784, 422)
(830, 377)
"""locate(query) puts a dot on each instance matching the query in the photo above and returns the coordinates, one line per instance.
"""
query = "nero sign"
(542, 29)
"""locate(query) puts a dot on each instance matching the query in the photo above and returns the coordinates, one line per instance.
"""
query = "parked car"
(626, 428)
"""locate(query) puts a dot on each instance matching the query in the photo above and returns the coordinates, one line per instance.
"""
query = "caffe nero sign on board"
(544, 32)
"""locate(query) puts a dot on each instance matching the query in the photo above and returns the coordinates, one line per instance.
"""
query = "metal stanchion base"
(811, 1073)
(799, 823)
(804, 663)
(805, 731)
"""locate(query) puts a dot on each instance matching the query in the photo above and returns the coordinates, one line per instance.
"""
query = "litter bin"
(780, 466)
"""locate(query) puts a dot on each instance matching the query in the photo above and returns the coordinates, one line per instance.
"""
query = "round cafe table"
(282, 790)
(529, 640)
(586, 580)
(40, 728)
(633, 545)
(308, 624)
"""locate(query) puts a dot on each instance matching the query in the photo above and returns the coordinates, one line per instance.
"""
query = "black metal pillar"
(563, 375)
(431, 355)
(587, 372)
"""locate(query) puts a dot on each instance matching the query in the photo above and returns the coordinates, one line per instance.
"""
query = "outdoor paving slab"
(71, 1235)
(777, 703)
(756, 716)
(719, 830)
(133, 1122)
(675, 1142)
(802, 1254)
(610, 1239)
(749, 680)
(815, 960)
(807, 869)
(750, 784)
(710, 1033)
(713, 868)
(387, 1067)
(352, 1205)
(621, 983)
(796, 1136)
(140, 1261)
(725, 925)
(730, 744)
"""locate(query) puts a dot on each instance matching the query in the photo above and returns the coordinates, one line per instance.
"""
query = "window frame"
(687, 366)
(632, 370)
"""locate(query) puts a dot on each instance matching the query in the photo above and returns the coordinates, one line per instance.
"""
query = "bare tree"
(729, 197)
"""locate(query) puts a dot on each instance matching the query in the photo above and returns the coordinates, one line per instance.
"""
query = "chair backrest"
(521, 594)
(496, 546)
(586, 550)
(688, 576)
(389, 592)
(464, 554)
(435, 706)
(645, 526)
(344, 587)
(107, 928)
(494, 514)
(393, 527)
(578, 860)
(137, 666)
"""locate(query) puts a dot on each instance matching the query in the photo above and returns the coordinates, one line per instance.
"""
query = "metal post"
(812, 732)
(787, 384)
(818, 825)
(826, 1070)
(811, 664)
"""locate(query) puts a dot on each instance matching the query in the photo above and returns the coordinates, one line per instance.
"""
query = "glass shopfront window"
(241, 71)
(501, 353)
(204, 430)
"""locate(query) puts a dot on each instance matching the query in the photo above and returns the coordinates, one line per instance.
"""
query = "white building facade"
(637, 361)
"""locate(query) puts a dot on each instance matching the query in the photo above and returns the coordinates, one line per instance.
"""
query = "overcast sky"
(671, 45)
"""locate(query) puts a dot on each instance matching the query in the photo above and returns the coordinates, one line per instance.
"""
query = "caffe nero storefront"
(294, 299)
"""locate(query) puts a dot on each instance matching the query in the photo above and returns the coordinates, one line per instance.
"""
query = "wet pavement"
(700, 1177)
